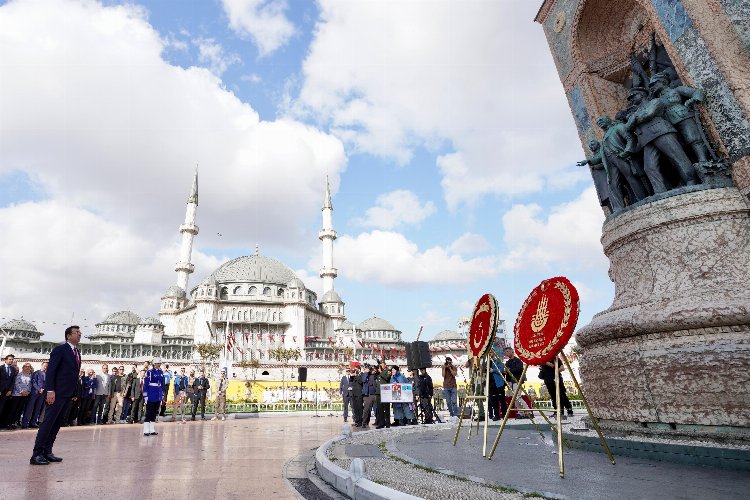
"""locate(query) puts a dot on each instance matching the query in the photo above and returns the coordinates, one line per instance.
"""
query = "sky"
(442, 127)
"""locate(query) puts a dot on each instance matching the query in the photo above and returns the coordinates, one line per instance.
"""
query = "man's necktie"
(78, 358)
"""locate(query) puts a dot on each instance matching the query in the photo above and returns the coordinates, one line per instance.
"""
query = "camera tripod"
(421, 416)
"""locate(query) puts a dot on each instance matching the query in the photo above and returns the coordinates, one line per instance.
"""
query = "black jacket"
(62, 372)
(7, 381)
(425, 386)
(515, 366)
(356, 382)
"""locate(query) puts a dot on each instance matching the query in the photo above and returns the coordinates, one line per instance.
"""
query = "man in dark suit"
(200, 387)
(61, 383)
(8, 374)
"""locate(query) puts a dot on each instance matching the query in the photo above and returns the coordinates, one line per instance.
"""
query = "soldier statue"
(658, 138)
(680, 114)
(599, 173)
(618, 145)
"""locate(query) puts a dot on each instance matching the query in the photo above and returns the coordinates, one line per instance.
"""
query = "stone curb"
(343, 480)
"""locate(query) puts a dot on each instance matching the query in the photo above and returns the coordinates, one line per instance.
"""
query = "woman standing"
(153, 392)
(20, 396)
(402, 413)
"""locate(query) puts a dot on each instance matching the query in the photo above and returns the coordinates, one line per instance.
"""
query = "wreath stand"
(535, 347)
(476, 373)
(481, 335)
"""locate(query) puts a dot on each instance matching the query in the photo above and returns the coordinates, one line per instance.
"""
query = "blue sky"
(442, 126)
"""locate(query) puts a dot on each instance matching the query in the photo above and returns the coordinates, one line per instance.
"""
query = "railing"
(269, 407)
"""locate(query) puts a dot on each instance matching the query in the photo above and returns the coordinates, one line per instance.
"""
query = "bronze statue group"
(655, 144)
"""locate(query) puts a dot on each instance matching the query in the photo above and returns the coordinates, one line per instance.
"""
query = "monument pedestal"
(672, 353)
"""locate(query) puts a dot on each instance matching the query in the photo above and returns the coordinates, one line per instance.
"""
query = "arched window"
(280, 292)
(236, 290)
(223, 294)
(253, 291)
(265, 373)
(267, 291)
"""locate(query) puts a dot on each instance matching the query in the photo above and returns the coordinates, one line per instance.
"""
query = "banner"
(396, 393)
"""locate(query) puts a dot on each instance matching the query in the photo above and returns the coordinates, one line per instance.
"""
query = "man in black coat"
(61, 384)
(357, 398)
(200, 387)
(8, 374)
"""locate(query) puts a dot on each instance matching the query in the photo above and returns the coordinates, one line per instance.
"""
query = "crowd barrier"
(328, 406)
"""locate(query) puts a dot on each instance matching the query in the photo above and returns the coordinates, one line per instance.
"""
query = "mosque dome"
(346, 325)
(121, 318)
(296, 283)
(175, 291)
(376, 324)
(449, 335)
(18, 324)
(331, 296)
(253, 269)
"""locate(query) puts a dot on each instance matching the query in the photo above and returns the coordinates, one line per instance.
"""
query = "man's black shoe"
(51, 458)
(32, 426)
(379, 426)
(193, 419)
(38, 460)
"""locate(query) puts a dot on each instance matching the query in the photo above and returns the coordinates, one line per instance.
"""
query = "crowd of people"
(360, 389)
(108, 397)
(120, 397)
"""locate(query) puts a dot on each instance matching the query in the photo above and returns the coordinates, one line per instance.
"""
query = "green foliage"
(285, 355)
(209, 351)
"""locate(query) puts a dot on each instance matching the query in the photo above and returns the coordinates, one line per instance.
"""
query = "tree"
(284, 356)
(209, 353)
(252, 365)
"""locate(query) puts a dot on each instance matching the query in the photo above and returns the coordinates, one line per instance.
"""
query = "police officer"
(153, 392)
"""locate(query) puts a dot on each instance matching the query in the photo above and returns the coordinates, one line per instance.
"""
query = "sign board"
(396, 393)
(546, 321)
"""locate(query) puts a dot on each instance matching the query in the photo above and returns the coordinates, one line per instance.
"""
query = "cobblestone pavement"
(406, 477)
(527, 462)
(233, 459)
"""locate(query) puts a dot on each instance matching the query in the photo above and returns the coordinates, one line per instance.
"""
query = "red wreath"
(483, 324)
(546, 321)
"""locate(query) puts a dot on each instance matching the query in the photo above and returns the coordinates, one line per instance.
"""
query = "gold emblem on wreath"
(539, 319)
(568, 300)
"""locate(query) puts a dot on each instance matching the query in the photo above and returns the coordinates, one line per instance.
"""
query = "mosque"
(250, 306)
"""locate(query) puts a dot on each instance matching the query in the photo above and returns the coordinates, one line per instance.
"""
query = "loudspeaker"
(418, 355)
(302, 374)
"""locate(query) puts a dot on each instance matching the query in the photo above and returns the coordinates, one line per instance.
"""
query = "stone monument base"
(672, 353)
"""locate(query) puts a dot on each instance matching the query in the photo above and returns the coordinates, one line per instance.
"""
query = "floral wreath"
(566, 326)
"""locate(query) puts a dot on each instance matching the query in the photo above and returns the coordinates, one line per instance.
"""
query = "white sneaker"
(213, 418)
(223, 418)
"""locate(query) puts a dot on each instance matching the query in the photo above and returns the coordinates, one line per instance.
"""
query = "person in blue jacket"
(153, 393)
(402, 413)
(497, 391)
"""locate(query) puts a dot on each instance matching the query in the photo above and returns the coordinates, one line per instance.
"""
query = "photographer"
(449, 386)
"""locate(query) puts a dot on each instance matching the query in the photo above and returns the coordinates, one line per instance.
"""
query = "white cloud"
(252, 78)
(263, 21)
(470, 243)
(568, 235)
(473, 77)
(122, 129)
(65, 263)
(213, 55)
(389, 258)
(394, 209)
(111, 133)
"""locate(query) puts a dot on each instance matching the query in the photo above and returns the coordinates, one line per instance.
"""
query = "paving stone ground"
(526, 462)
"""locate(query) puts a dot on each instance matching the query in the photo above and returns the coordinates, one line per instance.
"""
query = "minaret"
(327, 235)
(188, 229)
